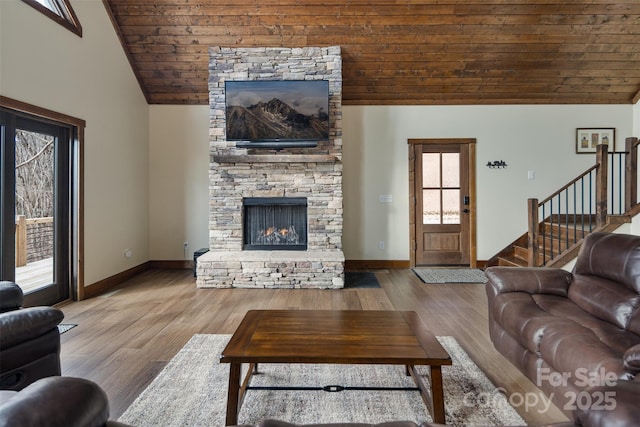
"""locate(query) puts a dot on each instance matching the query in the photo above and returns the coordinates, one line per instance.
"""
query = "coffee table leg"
(234, 394)
(433, 397)
(437, 394)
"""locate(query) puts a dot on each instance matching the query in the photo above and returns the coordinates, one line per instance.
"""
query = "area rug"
(358, 279)
(192, 391)
(450, 275)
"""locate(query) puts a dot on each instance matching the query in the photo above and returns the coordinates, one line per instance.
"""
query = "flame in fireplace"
(273, 235)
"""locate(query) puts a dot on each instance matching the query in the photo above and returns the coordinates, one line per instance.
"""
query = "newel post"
(631, 175)
(601, 184)
(534, 231)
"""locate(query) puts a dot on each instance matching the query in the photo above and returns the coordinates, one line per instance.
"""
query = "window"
(60, 11)
(41, 202)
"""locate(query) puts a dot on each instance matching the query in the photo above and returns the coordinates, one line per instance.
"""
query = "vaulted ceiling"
(429, 52)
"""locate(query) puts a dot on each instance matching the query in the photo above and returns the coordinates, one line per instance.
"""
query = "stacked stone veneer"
(234, 173)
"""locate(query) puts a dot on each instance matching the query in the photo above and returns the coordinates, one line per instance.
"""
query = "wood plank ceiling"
(429, 52)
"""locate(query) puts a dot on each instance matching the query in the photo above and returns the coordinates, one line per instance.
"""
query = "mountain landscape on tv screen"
(274, 120)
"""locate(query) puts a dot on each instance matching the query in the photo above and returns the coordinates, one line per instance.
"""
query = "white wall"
(44, 64)
(538, 138)
(179, 176)
(527, 137)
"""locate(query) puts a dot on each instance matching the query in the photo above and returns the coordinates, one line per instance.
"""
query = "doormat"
(353, 279)
(64, 327)
(450, 275)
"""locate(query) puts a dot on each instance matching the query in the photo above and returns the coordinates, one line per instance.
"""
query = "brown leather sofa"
(29, 340)
(574, 334)
(56, 402)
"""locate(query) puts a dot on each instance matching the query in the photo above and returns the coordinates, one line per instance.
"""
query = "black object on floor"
(353, 279)
(196, 254)
(64, 327)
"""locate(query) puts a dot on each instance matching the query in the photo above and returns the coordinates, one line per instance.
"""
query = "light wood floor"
(125, 337)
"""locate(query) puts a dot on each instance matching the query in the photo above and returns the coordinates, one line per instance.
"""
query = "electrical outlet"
(128, 253)
(186, 245)
(381, 244)
(385, 198)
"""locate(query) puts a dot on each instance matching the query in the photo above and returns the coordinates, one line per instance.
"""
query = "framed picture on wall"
(588, 138)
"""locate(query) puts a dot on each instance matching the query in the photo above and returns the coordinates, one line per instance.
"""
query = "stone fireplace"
(275, 217)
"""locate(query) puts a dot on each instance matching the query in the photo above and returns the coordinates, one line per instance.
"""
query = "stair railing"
(582, 206)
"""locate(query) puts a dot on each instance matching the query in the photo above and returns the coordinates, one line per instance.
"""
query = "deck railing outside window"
(34, 239)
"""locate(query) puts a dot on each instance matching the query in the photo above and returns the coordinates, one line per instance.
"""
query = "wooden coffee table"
(328, 336)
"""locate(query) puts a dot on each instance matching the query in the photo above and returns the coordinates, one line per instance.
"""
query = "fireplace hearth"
(275, 223)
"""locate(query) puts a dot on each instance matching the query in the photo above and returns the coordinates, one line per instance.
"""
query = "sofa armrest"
(27, 323)
(533, 280)
(11, 296)
(60, 402)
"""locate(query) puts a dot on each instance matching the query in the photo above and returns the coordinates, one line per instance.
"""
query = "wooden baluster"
(534, 231)
(631, 175)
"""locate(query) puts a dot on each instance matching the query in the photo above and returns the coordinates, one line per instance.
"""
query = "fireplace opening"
(275, 223)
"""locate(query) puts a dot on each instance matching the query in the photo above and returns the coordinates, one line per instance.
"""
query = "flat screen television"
(277, 114)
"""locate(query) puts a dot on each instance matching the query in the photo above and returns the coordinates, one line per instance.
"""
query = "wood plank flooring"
(125, 337)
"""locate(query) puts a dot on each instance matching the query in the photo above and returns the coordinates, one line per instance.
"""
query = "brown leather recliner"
(572, 331)
(29, 340)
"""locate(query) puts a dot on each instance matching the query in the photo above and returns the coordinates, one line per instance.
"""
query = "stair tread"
(512, 260)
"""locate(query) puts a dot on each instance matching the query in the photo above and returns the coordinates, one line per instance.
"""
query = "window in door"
(441, 188)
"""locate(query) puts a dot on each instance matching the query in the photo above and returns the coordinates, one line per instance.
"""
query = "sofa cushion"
(612, 256)
(519, 315)
(579, 354)
(604, 299)
(527, 318)
(611, 335)
(634, 322)
(533, 280)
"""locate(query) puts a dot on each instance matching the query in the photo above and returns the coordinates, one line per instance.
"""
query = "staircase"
(557, 244)
(600, 199)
